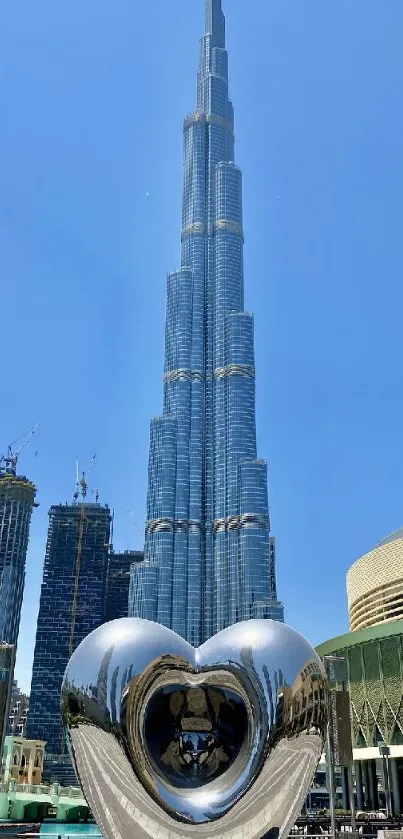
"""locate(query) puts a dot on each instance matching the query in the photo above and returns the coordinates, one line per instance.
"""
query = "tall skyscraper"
(208, 561)
(17, 498)
(72, 604)
(118, 581)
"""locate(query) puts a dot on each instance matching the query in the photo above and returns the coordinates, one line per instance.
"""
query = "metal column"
(384, 751)
(373, 784)
(358, 784)
(351, 794)
(394, 776)
(331, 784)
(345, 788)
(367, 791)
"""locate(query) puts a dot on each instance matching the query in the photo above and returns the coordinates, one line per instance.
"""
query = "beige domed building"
(373, 652)
(375, 585)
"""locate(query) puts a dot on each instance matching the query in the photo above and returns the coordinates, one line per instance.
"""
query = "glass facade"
(72, 604)
(209, 559)
(17, 498)
(7, 661)
(117, 585)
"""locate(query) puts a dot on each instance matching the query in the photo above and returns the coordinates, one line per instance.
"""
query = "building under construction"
(17, 718)
(72, 604)
(17, 498)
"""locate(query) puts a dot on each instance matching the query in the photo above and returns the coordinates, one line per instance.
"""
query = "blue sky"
(92, 97)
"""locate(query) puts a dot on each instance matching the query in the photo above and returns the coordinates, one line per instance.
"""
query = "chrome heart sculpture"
(170, 741)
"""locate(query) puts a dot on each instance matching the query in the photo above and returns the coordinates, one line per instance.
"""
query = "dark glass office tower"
(72, 604)
(17, 498)
(7, 661)
(118, 581)
(208, 561)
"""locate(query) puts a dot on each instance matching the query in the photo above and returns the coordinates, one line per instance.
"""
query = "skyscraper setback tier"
(208, 561)
(72, 604)
(17, 498)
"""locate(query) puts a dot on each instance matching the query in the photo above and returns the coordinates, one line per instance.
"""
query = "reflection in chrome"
(171, 741)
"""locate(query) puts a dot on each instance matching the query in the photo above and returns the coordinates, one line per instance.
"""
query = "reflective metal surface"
(171, 741)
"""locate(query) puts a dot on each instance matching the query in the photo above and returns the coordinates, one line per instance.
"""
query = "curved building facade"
(375, 585)
(374, 659)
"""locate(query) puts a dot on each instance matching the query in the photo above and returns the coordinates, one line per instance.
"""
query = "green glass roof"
(361, 636)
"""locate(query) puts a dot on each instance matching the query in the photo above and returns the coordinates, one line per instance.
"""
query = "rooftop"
(393, 537)
(360, 636)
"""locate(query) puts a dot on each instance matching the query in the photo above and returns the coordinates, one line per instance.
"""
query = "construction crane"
(82, 482)
(131, 514)
(8, 462)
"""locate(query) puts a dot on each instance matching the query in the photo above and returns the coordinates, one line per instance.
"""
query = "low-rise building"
(374, 658)
(23, 760)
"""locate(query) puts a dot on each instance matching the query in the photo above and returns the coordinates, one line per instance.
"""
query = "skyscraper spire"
(215, 23)
(208, 557)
